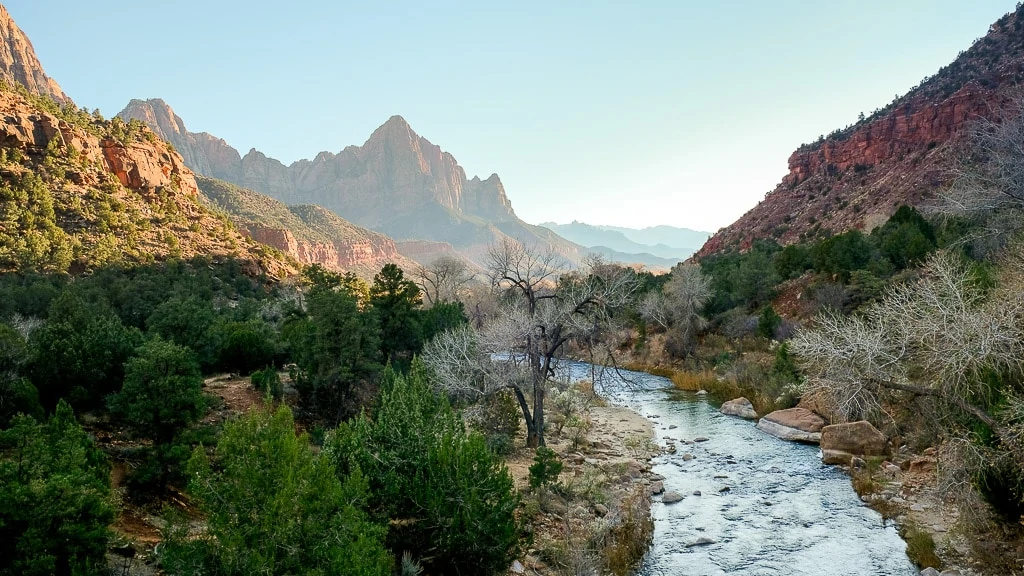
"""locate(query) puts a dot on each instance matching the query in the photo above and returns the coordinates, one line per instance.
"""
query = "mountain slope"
(397, 183)
(901, 154)
(77, 192)
(672, 236)
(19, 64)
(310, 234)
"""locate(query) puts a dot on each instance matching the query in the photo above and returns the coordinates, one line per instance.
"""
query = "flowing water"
(766, 506)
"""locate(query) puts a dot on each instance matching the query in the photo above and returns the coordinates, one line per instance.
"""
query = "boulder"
(840, 443)
(930, 572)
(796, 424)
(739, 407)
(671, 497)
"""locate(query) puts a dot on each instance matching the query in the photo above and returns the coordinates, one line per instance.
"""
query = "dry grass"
(694, 381)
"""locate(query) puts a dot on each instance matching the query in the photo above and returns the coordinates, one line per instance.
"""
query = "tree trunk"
(532, 438)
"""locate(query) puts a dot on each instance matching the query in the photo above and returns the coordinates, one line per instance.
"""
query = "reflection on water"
(767, 507)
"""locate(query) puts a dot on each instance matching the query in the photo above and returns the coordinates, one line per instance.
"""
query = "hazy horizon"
(604, 113)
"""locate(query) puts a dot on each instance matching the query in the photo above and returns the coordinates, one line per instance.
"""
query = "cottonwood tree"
(677, 308)
(444, 280)
(544, 310)
(939, 338)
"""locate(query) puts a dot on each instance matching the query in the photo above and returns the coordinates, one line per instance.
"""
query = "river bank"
(904, 489)
(597, 518)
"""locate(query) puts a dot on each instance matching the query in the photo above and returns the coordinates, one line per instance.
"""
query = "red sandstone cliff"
(902, 154)
(19, 64)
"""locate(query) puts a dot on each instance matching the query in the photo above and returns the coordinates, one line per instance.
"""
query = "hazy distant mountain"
(660, 242)
(651, 261)
(683, 238)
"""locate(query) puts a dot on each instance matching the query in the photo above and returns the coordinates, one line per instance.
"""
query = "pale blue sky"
(628, 113)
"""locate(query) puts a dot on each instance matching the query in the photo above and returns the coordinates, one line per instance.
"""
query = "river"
(768, 507)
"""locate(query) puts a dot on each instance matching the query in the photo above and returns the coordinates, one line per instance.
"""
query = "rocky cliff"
(19, 64)
(309, 234)
(77, 192)
(397, 183)
(901, 154)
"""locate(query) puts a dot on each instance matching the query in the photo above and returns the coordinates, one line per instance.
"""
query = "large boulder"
(739, 407)
(841, 442)
(796, 424)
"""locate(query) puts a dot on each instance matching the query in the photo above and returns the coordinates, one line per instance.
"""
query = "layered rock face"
(397, 183)
(19, 64)
(902, 154)
(309, 234)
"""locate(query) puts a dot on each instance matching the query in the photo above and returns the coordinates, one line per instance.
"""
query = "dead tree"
(445, 279)
(544, 308)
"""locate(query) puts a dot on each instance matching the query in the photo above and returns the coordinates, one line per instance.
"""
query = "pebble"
(700, 439)
(672, 427)
(702, 541)
(696, 492)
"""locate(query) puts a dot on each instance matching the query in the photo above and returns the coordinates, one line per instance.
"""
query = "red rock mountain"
(397, 183)
(902, 154)
(309, 234)
(18, 62)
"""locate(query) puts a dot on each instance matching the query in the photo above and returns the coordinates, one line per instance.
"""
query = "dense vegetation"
(129, 348)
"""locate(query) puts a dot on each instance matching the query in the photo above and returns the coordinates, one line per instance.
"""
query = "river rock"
(796, 424)
(657, 487)
(687, 457)
(702, 541)
(930, 572)
(841, 442)
(671, 497)
(739, 407)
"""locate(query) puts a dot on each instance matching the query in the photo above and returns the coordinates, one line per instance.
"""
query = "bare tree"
(543, 311)
(445, 279)
(934, 338)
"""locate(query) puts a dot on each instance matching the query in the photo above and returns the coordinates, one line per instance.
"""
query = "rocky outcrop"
(203, 153)
(901, 154)
(116, 195)
(796, 424)
(18, 61)
(397, 183)
(739, 407)
(841, 442)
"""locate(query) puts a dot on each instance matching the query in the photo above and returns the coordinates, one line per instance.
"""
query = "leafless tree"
(544, 309)
(933, 338)
(445, 279)
(988, 182)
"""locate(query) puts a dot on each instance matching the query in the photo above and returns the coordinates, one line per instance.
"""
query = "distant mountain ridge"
(664, 243)
(397, 183)
(902, 154)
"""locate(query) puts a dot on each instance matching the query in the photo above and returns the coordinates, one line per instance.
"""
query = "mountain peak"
(19, 64)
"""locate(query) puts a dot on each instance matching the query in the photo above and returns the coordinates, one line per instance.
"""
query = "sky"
(634, 113)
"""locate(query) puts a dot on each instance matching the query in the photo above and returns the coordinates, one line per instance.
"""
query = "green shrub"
(419, 460)
(768, 322)
(499, 421)
(244, 346)
(268, 382)
(920, 546)
(545, 468)
(299, 517)
(55, 499)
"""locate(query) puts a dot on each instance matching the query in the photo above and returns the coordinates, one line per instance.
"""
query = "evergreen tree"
(55, 499)
(274, 506)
